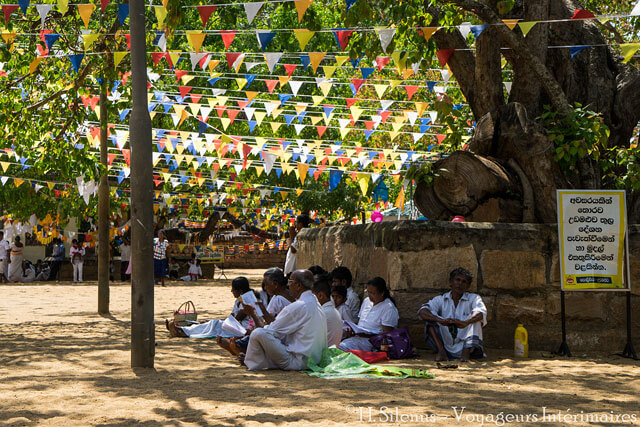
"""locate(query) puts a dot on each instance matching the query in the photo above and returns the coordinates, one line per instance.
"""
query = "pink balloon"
(458, 218)
(376, 216)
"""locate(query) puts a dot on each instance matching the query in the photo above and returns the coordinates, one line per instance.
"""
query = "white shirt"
(125, 252)
(194, 268)
(4, 249)
(345, 313)
(291, 262)
(353, 303)
(374, 317)
(277, 304)
(334, 323)
(76, 251)
(469, 304)
(303, 326)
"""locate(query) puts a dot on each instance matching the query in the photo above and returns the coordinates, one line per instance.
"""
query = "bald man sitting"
(301, 325)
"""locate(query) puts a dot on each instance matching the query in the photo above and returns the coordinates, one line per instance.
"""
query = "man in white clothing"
(322, 291)
(454, 320)
(290, 263)
(4, 258)
(341, 276)
(301, 325)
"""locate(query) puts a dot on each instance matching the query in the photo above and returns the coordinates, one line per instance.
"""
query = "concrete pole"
(142, 322)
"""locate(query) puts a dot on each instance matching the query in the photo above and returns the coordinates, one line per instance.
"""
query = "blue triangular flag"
(76, 60)
(285, 144)
(356, 62)
(306, 60)
(23, 5)
(431, 85)
(576, 49)
(476, 30)
(202, 127)
(123, 12)
(284, 97)
(366, 72)
(250, 78)
(289, 118)
(152, 105)
(213, 80)
(252, 125)
(327, 110)
(167, 106)
(350, 3)
(301, 116)
(278, 172)
(368, 133)
(50, 39)
(334, 178)
(264, 38)
(123, 114)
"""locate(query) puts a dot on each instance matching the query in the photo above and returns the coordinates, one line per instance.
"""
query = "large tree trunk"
(508, 134)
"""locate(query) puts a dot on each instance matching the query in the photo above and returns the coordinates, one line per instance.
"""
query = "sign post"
(592, 233)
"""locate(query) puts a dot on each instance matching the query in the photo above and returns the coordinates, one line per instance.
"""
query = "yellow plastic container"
(521, 342)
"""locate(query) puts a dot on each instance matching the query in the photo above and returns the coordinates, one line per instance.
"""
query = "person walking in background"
(160, 257)
(76, 253)
(15, 266)
(58, 257)
(290, 264)
(4, 258)
(125, 257)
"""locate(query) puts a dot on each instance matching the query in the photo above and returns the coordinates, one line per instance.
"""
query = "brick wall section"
(515, 268)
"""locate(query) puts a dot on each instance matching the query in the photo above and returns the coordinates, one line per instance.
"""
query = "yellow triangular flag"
(175, 56)
(195, 39)
(303, 168)
(325, 87)
(363, 181)
(526, 27)
(400, 200)
(317, 99)
(511, 23)
(628, 50)
(341, 59)
(250, 94)
(301, 7)
(17, 182)
(316, 58)
(34, 64)
(5, 165)
(241, 82)
(380, 90)
(275, 126)
(283, 80)
(329, 70)
(118, 57)
(85, 11)
(63, 6)
(400, 60)
(427, 32)
(161, 15)
(88, 40)
(299, 191)
(303, 37)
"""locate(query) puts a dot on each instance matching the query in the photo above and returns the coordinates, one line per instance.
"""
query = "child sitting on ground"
(195, 271)
(339, 297)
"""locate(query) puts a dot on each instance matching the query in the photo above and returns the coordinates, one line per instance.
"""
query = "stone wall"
(515, 268)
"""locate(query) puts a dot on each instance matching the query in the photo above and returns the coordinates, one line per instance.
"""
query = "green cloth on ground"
(336, 363)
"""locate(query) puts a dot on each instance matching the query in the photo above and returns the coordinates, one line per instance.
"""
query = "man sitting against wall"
(454, 320)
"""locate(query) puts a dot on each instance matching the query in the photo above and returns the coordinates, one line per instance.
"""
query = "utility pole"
(142, 322)
(103, 199)
(103, 208)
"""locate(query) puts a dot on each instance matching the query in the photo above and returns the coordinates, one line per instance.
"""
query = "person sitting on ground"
(42, 271)
(339, 297)
(322, 291)
(454, 320)
(275, 285)
(341, 276)
(174, 269)
(301, 325)
(377, 315)
(213, 328)
(28, 272)
(195, 271)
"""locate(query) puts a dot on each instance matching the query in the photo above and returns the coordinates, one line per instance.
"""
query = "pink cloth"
(128, 267)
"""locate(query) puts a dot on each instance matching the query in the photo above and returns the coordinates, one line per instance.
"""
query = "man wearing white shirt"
(301, 325)
(454, 320)
(322, 291)
(341, 276)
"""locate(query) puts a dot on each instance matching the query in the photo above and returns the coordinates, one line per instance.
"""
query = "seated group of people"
(295, 319)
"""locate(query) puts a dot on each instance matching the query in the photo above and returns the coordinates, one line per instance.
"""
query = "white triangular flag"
(465, 28)
(298, 128)
(249, 65)
(386, 36)
(295, 86)
(269, 159)
(43, 11)
(385, 104)
(252, 10)
(507, 85)
(446, 75)
(636, 9)
(195, 58)
(272, 58)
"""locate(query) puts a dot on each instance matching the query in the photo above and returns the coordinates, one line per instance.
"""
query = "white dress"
(290, 262)
(372, 318)
(334, 323)
(468, 337)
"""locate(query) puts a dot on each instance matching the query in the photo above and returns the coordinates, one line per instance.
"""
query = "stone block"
(512, 269)
(634, 264)
(430, 269)
(555, 271)
(585, 305)
(526, 310)
(408, 303)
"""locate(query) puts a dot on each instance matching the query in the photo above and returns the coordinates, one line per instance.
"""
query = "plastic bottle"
(521, 342)
(384, 346)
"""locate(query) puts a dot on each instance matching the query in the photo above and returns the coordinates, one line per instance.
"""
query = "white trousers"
(77, 272)
(266, 351)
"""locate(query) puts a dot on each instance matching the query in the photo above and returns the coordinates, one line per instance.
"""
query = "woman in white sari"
(15, 265)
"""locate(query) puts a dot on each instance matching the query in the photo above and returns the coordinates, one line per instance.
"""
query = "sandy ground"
(61, 364)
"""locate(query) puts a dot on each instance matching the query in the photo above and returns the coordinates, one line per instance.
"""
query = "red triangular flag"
(110, 158)
(242, 104)
(246, 149)
(232, 114)
(126, 153)
(357, 83)
(180, 73)
(410, 90)
(343, 37)
(205, 13)
(444, 55)
(184, 90)
(381, 61)
(203, 60)
(271, 84)
(231, 58)
(157, 56)
(582, 14)
(369, 124)
(128, 37)
(103, 4)
(7, 9)
(227, 38)
(195, 97)
(350, 102)
(321, 130)
(385, 115)
(440, 138)
(220, 109)
(290, 68)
